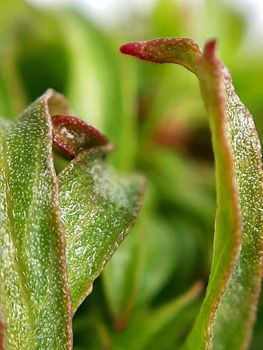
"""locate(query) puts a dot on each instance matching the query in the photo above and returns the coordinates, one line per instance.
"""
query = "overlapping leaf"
(33, 288)
(97, 207)
(226, 317)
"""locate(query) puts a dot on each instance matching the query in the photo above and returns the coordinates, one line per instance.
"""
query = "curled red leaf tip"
(72, 134)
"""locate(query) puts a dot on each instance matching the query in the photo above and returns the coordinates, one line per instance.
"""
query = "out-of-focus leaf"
(12, 99)
(153, 321)
(147, 257)
(33, 284)
(12, 96)
(97, 209)
(97, 85)
(125, 270)
(30, 39)
(41, 54)
(233, 31)
(167, 19)
(170, 172)
(173, 334)
(228, 312)
(160, 258)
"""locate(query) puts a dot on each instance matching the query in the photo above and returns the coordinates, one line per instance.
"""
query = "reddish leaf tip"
(132, 48)
(72, 134)
(210, 48)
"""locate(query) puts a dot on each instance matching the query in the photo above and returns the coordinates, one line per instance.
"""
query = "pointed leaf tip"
(210, 49)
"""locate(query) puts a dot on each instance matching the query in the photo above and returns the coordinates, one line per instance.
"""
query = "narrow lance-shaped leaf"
(97, 209)
(228, 312)
(34, 295)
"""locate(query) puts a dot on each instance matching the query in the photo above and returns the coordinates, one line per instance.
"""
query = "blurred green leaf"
(167, 18)
(97, 86)
(160, 258)
(173, 177)
(147, 259)
(153, 321)
(12, 97)
(125, 270)
(232, 32)
(42, 57)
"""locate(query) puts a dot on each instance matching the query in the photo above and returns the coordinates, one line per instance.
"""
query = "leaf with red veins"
(72, 135)
(227, 315)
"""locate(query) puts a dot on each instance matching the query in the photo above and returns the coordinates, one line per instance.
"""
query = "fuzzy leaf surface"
(227, 315)
(97, 209)
(33, 287)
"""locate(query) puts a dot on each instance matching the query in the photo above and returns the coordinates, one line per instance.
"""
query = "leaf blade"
(107, 206)
(239, 197)
(35, 294)
(245, 283)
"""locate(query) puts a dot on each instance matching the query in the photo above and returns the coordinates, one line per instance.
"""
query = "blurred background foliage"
(150, 292)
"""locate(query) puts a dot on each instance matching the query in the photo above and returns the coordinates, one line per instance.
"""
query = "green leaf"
(171, 171)
(227, 315)
(33, 285)
(97, 209)
(234, 125)
(153, 321)
(160, 258)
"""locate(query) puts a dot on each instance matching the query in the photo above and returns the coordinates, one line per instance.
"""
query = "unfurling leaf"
(72, 135)
(43, 271)
(227, 315)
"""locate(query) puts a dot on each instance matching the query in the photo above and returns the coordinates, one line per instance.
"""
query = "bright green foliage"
(156, 118)
(228, 312)
(94, 206)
